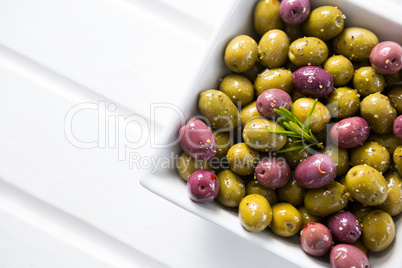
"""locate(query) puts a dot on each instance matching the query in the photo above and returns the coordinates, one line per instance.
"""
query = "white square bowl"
(382, 17)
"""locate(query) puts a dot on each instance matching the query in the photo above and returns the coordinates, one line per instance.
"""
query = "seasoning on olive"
(345, 255)
(203, 186)
(355, 43)
(372, 154)
(186, 165)
(231, 188)
(292, 158)
(350, 132)
(340, 68)
(366, 185)
(393, 203)
(340, 157)
(218, 109)
(316, 239)
(343, 102)
(386, 57)
(272, 99)
(389, 141)
(313, 81)
(255, 213)
(242, 159)
(307, 217)
(378, 230)
(291, 192)
(294, 12)
(267, 16)
(241, 53)
(378, 112)
(254, 187)
(274, 78)
(366, 81)
(345, 227)
(224, 141)
(273, 172)
(397, 157)
(238, 88)
(324, 22)
(397, 127)
(249, 113)
(395, 97)
(359, 210)
(286, 220)
(308, 51)
(319, 118)
(273, 48)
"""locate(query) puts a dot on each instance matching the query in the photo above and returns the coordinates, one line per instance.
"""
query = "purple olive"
(345, 227)
(386, 57)
(398, 127)
(346, 256)
(197, 140)
(272, 99)
(313, 81)
(350, 132)
(203, 186)
(315, 171)
(273, 172)
(316, 239)
(294, 11)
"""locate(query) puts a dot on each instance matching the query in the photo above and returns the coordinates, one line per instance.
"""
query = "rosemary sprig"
(296, 129)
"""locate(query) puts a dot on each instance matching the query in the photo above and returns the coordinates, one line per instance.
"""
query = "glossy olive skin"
(252, 73)
(386, 57)
(242, 159)
(378, 112)
(294, 12)
(231, 188)
(366, 185)
(293, 158)
(255, 213)
(372, 154)
(324, 22)
(267, 16)
(224, 141)
(395, 97)
(343, 102)
(315, 171)
(389, 141)
(238, 88)
(294, 31)
(257, 135)
(316, 239)
(355, 43)
(272, 99)
(273, 48)
(366, 81)
(286, 220)
(249, 113)
(273, 172)
(397, 157)
(340, 157)
(378, 230)
(345, 255)
(345, 227)
(308, 51)
(197, 139)
(203, 186)
(186, 165)
(313, 81)
(307, 217)
(350, 132)
(291, 192)
(394, 80)
(254, 187)
(340, 68)
(393, 203)
(274, 78)
(241, 53)
(219, 109)
(320, 117)
(359, 210)
(397, 127)
(326, 200)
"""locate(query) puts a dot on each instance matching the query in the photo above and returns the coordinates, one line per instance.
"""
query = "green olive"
(366, 185)
(307, 216)
(397, 157)
(393, 204)
(249, 113)
(320, 117)
(251, 74)
(273, 48)
(339, 156)
(366, 81)
(186, 165)
(255, 213)
(324, 22)
(224, 141)
(267, 17)
(242, 159)
(340, 68)
(291, 157)
(355, 43)
(241, 53)
(378, 112)
(395, 96)
(389, 141)
(308, 51)
(254, 187)
(372, 154)
(394, 80)
(238, 88)
(291, 192)
(359, 210)
(378, 230)
(274, 78)
(257, 135)
(326, 200)
(286, 220)
(294, 31)
(231, 188)
(219, 109)
(359, 244)
(343, 102)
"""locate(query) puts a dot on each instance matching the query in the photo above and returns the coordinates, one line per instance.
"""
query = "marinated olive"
(345, 227)
(274, 78)
(231, 188)
(312, 81)
(186, 165)
(372, 154)
(366, 81)
(272, 99)
(203, 186)
(294, 12)
(241, 53)
(339, 156)
(397, 127)
(324, 22)
(254, 187)
(292, 158)
(316, 239)
(389, 141)
(393, 203)
(242, 159)
(267, 16)
(397, 157)
(249, 113)
(273, 48)
(343, 102)
(340, 68)
(319, 118)
(286, 220)
(223, 143)
(291, 192)
(308, 51)
(238, 88)
(273, 172)
(378, 230)
(350, 132)
(395, 97)
(255, 213)
(307, 217)
(386, 57)
(345, 255)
